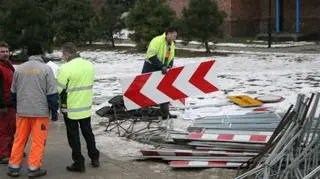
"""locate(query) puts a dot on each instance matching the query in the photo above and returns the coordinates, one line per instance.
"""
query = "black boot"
(36, 173)
(95, 163)
(76, 168)
(172, 116)
(13, 172)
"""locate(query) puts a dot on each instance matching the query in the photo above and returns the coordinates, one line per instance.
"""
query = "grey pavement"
(58, 156)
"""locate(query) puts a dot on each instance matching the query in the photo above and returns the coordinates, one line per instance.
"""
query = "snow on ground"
(252, 74)
(257, 44)
(124, 35)
(115, 147)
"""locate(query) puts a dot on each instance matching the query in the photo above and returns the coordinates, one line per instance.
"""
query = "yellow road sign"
(245, 101)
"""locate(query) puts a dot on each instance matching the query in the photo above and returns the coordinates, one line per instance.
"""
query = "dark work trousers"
(148, 67)
(74, 139)
(7, 130)
(164, 107)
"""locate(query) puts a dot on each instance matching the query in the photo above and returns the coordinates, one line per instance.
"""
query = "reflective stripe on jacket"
(75, 82)
(158, 47)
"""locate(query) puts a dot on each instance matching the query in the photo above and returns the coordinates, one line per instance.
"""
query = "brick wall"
(225, 6)
(245, 18)
(265, 14)
(177, 5)
(242, 16)
(309, 16)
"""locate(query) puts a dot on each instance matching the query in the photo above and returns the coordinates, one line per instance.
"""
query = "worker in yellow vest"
(159, 57)
(75, 82)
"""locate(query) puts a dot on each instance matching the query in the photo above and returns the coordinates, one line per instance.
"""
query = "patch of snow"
(255, 45)
(119, 148)
(123, 34)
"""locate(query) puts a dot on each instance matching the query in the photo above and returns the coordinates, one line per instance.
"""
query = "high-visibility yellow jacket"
(158, 47)
(75, 81)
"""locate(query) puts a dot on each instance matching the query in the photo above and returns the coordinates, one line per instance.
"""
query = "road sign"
(181, 82)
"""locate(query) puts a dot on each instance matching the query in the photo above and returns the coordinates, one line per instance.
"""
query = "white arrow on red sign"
(181, 82)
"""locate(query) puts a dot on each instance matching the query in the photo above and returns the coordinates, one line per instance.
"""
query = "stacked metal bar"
(227, 141)
(293, 149)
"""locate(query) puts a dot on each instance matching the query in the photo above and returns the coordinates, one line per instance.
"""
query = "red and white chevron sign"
(181, 82)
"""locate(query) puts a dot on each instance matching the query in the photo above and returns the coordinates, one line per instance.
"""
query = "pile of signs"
(293, 149)
(227, 141)
(287, 148)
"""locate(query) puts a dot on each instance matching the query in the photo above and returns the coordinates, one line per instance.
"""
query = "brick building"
(247, 18)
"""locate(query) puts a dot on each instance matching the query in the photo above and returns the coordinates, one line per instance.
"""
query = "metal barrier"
(293, 149)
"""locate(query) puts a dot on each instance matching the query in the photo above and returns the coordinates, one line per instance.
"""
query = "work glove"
(54, 115)
(164, 70)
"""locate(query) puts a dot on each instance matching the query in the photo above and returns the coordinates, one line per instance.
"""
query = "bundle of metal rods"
(293, 149)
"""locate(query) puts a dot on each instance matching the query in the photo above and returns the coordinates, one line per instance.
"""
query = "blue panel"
(278, 15)
(298, 16)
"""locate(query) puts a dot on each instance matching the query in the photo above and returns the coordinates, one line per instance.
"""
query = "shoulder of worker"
(31, 65)
(159, 38)
(75, 62)
(81, 60)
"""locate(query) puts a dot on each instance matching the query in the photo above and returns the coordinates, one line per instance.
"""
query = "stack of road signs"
(205, 164)
(215, 145)
(253, 121)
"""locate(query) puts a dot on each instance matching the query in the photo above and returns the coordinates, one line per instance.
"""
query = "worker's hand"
(164, 70)
(54, 115)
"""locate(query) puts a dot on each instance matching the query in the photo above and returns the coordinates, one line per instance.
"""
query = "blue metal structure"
(278, 16)
(297, 16)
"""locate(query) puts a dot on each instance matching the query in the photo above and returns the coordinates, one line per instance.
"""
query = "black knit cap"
(34, 48)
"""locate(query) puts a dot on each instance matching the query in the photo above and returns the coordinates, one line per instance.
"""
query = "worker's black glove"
(164, 70)
(54, 115)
